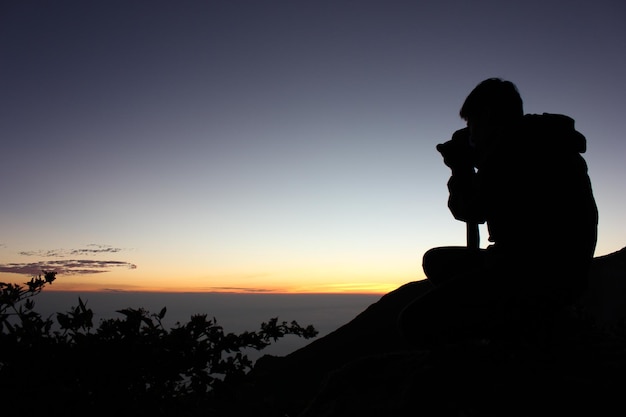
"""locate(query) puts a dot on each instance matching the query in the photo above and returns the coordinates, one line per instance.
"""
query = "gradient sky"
(274, 145)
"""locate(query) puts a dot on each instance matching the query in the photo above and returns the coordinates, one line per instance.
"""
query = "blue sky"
(274, 145)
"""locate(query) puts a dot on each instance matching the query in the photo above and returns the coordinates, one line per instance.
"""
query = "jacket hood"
(555, 132)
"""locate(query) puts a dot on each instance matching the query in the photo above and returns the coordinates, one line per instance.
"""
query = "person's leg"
(462, 307)
(443, 263)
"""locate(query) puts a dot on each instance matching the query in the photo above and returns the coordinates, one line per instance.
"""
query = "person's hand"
(457, 152)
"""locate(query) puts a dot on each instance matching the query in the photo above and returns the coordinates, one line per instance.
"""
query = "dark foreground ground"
(364, 369)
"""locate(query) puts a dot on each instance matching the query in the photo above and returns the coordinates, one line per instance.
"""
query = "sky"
(274, 146)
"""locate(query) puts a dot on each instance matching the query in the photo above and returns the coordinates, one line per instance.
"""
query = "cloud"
(65, 267)
(240, 289)
(91, 249)
(71, 266)
(114, 290)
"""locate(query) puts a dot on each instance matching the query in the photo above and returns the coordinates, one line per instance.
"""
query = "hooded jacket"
(533, 191)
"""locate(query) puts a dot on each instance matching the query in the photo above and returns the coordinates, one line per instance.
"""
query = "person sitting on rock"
(524, 176)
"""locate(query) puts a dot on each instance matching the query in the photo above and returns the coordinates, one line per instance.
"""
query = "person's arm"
(458, 155)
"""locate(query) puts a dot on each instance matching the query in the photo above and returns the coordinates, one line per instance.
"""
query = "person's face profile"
(476, 133)
(483, 130)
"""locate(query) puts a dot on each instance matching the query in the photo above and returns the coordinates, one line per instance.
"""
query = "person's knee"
(431, 260)
(432, 254)
(437, 263)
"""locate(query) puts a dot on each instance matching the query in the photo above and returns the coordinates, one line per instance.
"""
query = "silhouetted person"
(524, 176)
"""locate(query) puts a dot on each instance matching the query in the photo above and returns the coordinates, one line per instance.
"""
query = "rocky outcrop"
(365, 369)
(605, 299)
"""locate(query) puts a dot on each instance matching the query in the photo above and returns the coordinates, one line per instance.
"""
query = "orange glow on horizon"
(321, 282)
(340, 288)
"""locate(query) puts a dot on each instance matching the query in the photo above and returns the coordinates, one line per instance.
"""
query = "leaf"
(83, 308)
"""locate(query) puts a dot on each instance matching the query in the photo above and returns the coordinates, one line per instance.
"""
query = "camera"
(458, 152)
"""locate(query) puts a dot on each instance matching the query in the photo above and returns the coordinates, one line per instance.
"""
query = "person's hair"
(498, 97)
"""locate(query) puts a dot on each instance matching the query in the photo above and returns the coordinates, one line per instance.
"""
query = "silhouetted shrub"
(126, 366)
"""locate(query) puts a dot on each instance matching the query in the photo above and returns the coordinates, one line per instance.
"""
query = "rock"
(365, 369)
(488, 380)
(605, 298)
(292, 380)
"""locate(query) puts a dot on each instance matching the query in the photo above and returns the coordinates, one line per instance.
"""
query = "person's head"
(490, 107)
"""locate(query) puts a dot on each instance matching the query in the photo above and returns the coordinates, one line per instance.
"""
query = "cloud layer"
(66, 263)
